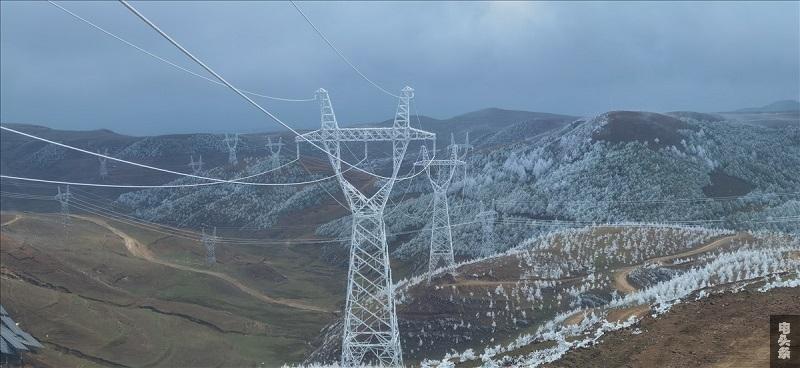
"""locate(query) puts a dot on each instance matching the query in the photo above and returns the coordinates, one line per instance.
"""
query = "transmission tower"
(210, 243)
(459, 150)
(196, 166)
(440, 173)
(274, 149)
(63, 198)
(370, 333)
(487, 219)
(103, 165)
(231, 141)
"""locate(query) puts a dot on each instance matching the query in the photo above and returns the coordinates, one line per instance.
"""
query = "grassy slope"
(93, 303)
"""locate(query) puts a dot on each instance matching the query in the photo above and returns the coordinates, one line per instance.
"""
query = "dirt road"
(491, 283)
(140, 250)
(621, 275)
(13, 220)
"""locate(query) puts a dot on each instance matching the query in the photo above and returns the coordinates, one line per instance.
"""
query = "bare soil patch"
(725, 330)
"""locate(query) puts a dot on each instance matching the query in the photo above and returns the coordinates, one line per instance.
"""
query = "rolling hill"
(549, 177)
(112, 294)
(777, 106)
(615, 167)
(520, 305)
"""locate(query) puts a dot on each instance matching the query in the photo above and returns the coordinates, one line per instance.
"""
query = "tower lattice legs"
(441, 252)
(440, 173)
(371, 335)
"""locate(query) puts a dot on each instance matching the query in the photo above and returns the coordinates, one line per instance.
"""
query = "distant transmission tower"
(459, 150)
(440, 173)
(196, 166)
(487, 219)
(231, 141)
(103, 165)
(63, 198)
(370, 333)
(274, 149)
(210, 243)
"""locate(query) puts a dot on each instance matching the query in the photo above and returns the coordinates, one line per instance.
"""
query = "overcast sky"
(573, 58)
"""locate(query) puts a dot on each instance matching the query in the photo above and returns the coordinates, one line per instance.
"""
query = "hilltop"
(615, 167)
(533, 166)
(777, 106)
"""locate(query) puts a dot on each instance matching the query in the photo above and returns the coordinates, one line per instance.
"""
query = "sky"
(572, 58)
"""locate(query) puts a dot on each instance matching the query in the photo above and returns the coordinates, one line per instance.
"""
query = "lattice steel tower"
(196, 166)
(63, 198)
(274, 149)
(103, 165)
(370, 333)
(231, 141)
(459, 150)
(440, 173)
(210, 243)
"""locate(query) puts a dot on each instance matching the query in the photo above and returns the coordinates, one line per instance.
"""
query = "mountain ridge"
(777, 106)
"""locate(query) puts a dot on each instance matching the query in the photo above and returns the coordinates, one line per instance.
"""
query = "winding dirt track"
(621, 278)
(507, 282)
(13, 220)
(621, 275)
(140, 250)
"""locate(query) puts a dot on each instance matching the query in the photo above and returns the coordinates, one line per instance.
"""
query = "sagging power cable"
(159, 58)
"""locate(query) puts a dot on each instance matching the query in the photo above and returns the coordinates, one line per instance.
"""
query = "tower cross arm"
(439, 163)
(366, 135)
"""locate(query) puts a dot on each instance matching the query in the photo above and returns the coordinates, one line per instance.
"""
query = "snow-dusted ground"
(573, 176)
(747, 264)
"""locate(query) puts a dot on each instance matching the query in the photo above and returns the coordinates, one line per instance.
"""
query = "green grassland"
(94, 304)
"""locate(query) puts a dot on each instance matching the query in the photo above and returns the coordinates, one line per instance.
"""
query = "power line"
(167, 61)
(522, 221)
(233, 88)
(346, 60)
(221, 80)
(676, 200)
(236, 180)
(25, 196)
(185, 234)
(326, 190)
(214, 180)
(189, 235)
(109, 157)
(162, 186)
(100, 201)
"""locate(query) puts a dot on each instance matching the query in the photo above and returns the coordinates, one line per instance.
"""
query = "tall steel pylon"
(103, 164)
(63, 198)
(460, 150)
(370, 333)
(440, 173)
(231, 141)
(196, 166)
(274, 149)
(210, 243)
(487, 218)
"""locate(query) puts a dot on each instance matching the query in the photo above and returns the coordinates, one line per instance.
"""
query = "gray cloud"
(577, 58)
